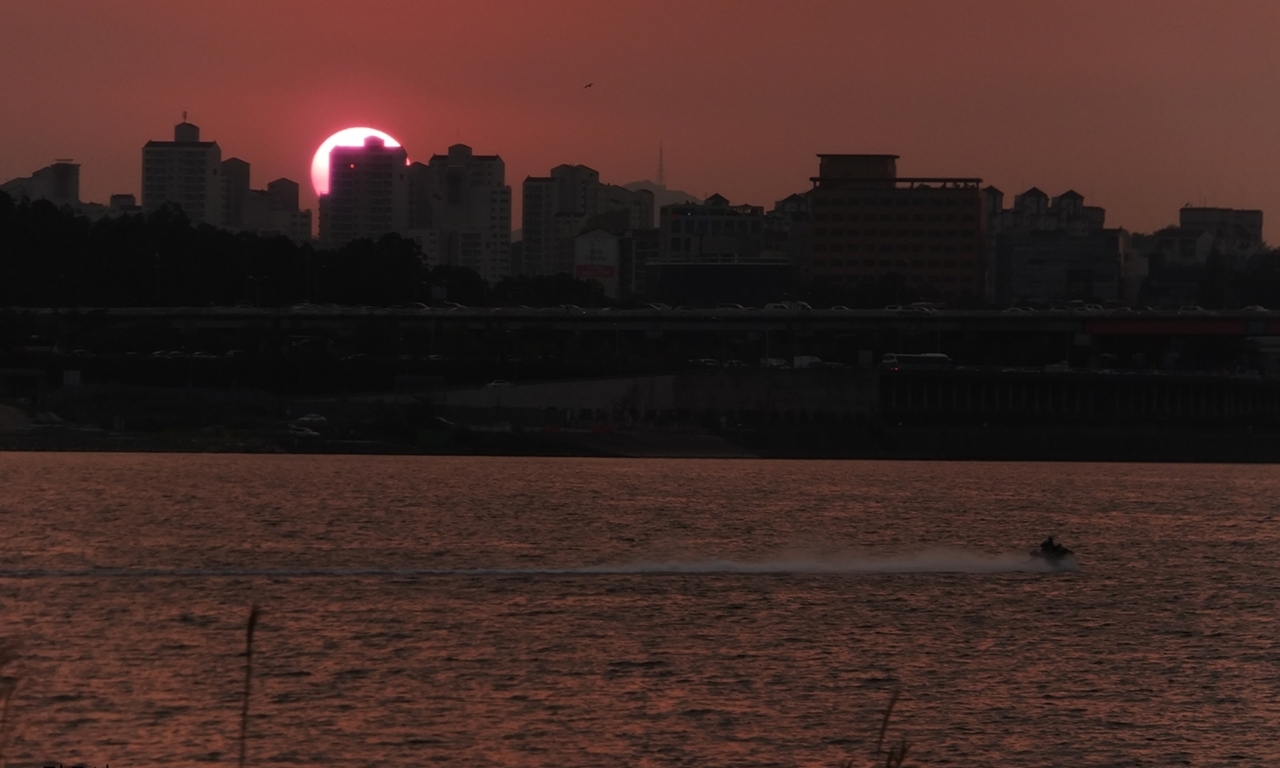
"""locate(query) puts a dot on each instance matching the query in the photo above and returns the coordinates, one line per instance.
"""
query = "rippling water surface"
(570, 612)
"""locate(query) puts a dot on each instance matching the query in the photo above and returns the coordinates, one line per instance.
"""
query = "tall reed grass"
(9, 679)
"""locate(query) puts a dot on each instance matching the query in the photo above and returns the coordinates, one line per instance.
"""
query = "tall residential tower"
(368, 193)
(460, 211)
(184, 172)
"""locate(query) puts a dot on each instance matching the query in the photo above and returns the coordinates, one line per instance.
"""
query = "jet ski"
(1051, 552)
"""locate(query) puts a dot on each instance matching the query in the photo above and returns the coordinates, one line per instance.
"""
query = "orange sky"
(1140, 105)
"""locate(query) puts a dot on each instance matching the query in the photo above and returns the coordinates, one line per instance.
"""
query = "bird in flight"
(588, 85)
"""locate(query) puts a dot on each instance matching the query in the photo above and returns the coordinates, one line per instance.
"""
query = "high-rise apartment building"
(557, 207)
(868, 222)
(459, 211)
(368, 193)
(185, 172)
(1054, 250)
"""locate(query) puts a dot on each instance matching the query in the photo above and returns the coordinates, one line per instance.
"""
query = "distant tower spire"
(184, 115)
(662, 179)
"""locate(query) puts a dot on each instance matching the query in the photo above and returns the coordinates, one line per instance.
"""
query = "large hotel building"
(868, 222)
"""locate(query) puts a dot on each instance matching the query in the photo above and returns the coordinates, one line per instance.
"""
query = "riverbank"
(1080, 443)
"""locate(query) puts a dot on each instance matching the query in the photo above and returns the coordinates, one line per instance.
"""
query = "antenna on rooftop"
(662, 180)
(184, 115)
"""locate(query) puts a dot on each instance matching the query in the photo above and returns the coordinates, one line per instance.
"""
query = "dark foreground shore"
(869, 441)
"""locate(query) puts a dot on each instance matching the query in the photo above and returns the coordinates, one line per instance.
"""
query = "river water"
(579, 612)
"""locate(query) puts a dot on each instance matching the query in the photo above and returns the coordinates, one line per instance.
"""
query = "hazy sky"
(1140, 105)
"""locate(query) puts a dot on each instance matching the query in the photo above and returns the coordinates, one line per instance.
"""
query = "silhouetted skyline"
(1142, 106)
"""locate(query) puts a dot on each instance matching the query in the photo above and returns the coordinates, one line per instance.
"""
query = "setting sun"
(348, 137)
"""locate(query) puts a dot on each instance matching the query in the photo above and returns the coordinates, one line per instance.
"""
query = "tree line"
(56, 257)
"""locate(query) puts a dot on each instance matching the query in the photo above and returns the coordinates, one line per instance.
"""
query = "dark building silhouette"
(124, 204)
(790, 230)
(714, 252)
(58, 183)
(661, 195)
(1221, 240)
(268, 212)
(185, 172)
(235, 190)
(368, 193)
(459, 211)
(558, 206)
(611, 252)
(1203, 233)
(1056, 250)
(868, 222)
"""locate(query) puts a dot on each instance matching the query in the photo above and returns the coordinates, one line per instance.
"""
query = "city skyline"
(1144, 108)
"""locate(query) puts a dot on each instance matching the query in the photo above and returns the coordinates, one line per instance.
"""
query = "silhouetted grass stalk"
(896, 756)
(248, 679)
(8, 684)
